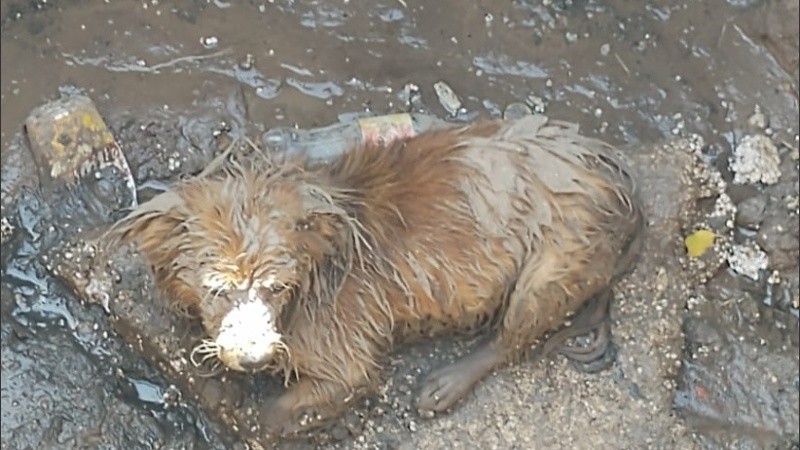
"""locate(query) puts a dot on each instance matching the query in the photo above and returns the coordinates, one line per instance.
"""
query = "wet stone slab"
(121, 283)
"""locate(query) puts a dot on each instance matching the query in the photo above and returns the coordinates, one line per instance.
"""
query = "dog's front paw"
(284, 418)
(277, 417)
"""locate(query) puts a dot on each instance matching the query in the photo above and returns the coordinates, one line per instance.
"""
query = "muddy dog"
(317, 270)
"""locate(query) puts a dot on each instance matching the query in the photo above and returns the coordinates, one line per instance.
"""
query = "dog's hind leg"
(547, 292)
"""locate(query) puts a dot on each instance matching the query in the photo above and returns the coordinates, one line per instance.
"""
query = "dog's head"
(245, 251)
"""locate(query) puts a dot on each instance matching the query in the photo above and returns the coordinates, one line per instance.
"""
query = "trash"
(699, 242)
(321, 144)
(70, 140)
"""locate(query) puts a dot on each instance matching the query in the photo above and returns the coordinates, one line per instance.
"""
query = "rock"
(247, 62)
(777, 25)
(756, 160)
(778, 237)
(758, 121)
(236, 403)
(751, 212)
(538, 104)
(571, 37)
(448, 99)
(516, 110)
(410, 95)
(6, 229)
(700, 331)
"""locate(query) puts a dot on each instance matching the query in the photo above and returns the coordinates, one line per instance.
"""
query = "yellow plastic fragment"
(699, 242)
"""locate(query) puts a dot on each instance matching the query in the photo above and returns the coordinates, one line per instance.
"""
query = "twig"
(722, 33)
(624, 67)
(190, 58)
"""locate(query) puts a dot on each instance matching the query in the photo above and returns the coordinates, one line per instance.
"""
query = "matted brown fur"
(521, 221)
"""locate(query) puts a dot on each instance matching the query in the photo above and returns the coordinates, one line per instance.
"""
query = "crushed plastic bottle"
(325, 143)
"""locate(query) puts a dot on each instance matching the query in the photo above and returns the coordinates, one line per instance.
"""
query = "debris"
(748, 260)
(516, 110)
(410, 95)
(758, 120)
(756, 160)
(751, 212)
(70, 140)
(247, 62)
(327, 142)
(448, 99)
(209, 41)
(570, 37)
(6, 229)
(699, 242)
(538, 104)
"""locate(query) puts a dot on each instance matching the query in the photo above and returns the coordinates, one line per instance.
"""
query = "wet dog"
(317, 270)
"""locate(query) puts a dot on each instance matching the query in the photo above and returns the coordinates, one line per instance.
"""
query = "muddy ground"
(708, 357)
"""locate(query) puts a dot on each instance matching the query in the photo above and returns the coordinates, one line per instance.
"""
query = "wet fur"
(508, 225)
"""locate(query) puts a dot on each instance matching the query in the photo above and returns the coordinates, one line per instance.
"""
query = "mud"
(702, 364)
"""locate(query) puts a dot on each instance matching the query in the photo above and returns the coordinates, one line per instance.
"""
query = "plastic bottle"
(325, 143)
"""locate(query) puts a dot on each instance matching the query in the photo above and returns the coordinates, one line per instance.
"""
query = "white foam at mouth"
(249, 330)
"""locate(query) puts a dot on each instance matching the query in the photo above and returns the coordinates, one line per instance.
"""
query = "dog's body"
(318, 270)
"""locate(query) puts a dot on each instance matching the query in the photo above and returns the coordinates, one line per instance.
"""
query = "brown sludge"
(506, 226)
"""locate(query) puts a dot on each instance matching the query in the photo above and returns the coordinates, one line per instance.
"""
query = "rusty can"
(69, 139)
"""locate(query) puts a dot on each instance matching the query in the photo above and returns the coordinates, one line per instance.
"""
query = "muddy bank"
(703, 364)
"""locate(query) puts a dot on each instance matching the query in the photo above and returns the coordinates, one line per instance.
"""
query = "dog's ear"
(152, 223)
(322, 217)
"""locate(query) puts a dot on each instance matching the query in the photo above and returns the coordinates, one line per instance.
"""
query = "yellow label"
(383, 130)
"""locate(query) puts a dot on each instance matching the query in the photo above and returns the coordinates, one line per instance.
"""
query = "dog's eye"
(277, 288)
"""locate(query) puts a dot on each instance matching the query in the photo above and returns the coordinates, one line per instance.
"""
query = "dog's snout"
(253, 363)
(251, 358)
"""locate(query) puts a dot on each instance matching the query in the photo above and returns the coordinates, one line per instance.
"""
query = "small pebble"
(750, 212)
(758, 120)
(516, 110)
(209, 42)
(536, 103)
(571, 37)
(248, 62)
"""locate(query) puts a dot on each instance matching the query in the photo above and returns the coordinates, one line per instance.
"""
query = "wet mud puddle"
(175, 80)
